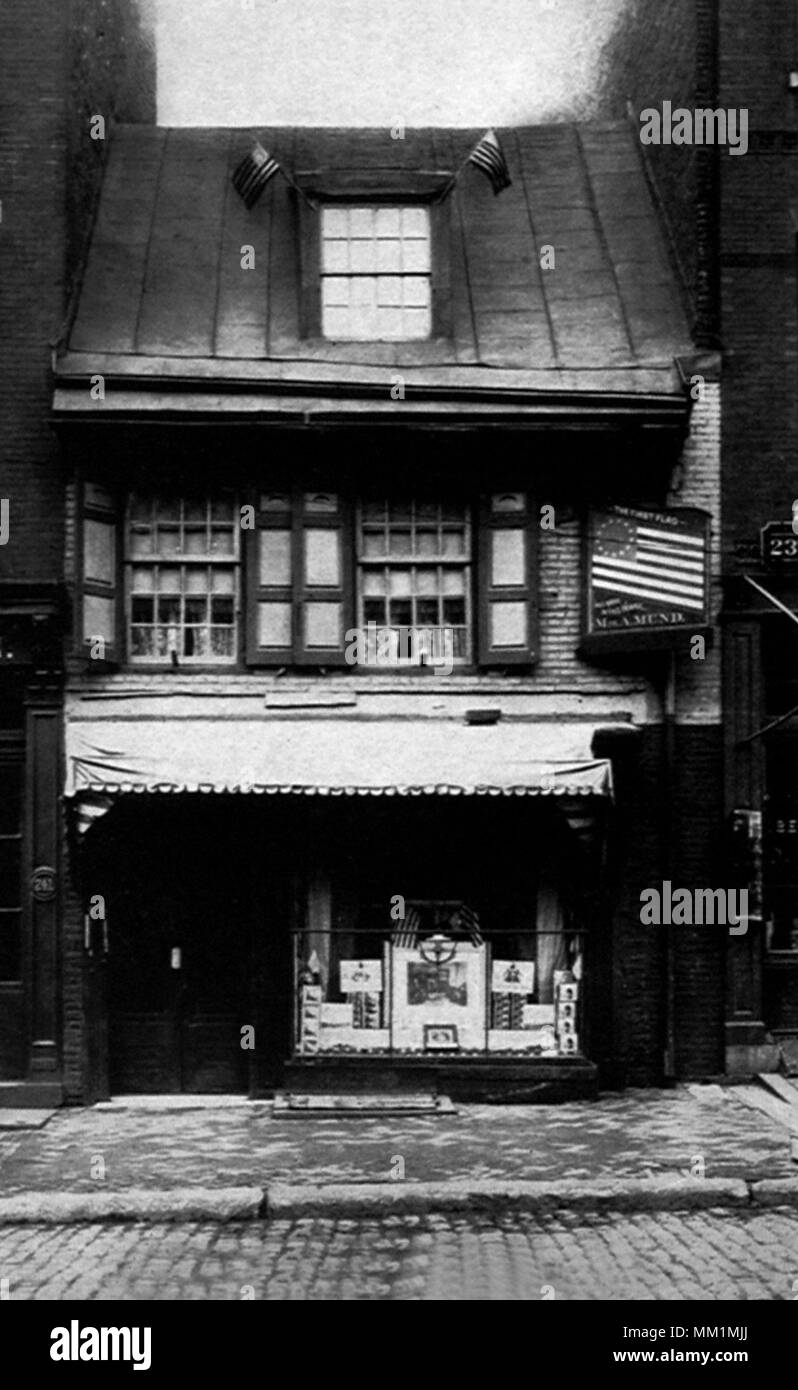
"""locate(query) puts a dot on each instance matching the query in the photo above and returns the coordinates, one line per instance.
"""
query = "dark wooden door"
(177, 1010)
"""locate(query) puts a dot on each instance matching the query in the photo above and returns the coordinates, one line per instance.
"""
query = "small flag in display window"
(251, 176)
(488, 156)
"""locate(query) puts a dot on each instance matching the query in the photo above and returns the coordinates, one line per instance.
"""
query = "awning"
(327, 755)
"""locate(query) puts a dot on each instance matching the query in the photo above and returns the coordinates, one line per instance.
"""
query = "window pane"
(389, 257)
(142, 641)
(222, 541)
(141, 541)
(361, 222)
(387, 222)
(222, 580)
(399, 582)
(335, 222)
(401, 611)
(335, 257)
(362, 257)
(168, 610)
(143, 610)
(374, 610)
(196, 610)
(143, 579)
(374, 543)
(427, 543)
(453, 543)
(399, 542)
(168, 540)
(222, 642)
(196, 580)
(373, 582)
(222, 610)
(427, 610)
(454, 613)
(195, 542)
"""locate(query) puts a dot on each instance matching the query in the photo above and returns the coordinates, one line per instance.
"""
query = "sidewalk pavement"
(229, 1159)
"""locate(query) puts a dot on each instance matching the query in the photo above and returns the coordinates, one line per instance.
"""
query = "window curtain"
(552, 953)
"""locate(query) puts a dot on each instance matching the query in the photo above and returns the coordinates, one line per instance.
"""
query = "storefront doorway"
(175, 953)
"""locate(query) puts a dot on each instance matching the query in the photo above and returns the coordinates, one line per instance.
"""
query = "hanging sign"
(647, 578)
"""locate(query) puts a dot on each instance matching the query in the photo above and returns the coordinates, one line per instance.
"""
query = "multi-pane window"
(414, 561)
(329, 579)
(182, 563)
(375, 273)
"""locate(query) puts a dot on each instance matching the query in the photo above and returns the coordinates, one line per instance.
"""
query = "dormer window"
(375, 273)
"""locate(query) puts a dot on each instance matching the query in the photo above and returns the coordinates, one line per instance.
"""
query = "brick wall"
(59, 61)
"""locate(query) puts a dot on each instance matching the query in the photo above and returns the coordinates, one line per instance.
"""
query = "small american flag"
(647, 560)
(251, 176)
(406, 931)
(488, 156)
(468, 921)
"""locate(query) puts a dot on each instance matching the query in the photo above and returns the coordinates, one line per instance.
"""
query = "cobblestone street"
(703, 1255)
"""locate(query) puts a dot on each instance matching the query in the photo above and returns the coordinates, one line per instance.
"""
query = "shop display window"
(436, 981)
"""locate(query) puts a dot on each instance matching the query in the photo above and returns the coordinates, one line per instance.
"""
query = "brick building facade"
(207, 375)
(61, 63)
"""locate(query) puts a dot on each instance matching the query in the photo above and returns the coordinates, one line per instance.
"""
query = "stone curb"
(133, 1204)
(667, 1192)
(775, 1192)
(664, 1193)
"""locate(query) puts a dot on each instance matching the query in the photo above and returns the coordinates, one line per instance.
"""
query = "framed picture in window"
(445, 993)
(441, 1037)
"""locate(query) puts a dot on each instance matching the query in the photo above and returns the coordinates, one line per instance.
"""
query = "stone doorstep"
(289, 1103)
(358, 1200)
(30, 1095)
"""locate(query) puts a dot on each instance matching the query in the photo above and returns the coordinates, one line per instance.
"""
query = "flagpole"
(454, 180)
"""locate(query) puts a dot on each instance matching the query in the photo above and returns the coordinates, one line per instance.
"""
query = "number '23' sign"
(779, 544)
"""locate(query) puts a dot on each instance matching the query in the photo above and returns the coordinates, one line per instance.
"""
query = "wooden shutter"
(507, 580)
(324, 582)
(269, 551)
(299, 580)
(100, 615)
